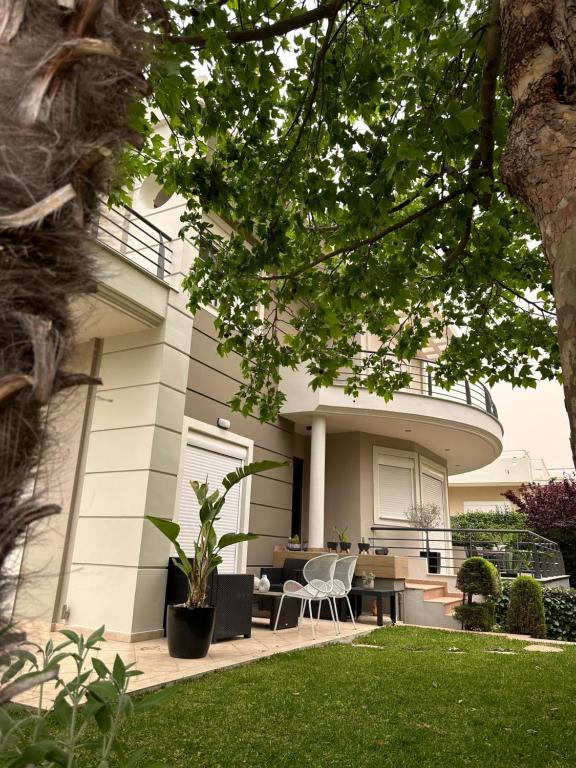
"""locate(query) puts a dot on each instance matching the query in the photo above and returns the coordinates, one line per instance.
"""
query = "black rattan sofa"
(291, 570)
(231, 593)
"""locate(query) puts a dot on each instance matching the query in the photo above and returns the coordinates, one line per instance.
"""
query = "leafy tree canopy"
(355, 146)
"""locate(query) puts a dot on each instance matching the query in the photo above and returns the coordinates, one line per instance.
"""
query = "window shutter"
(395, 491)
(433, 491)
(202, 464)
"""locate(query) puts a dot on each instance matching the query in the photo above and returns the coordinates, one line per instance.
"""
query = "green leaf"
(103, 718)
(228, 539)
(119, 672)
(170, 529)
(96, 637)
(103, 690)
(71, 635)
(101, 668)
(239, 474)
(6, 721)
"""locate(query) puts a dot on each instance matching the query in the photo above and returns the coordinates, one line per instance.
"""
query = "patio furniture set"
(323, 586)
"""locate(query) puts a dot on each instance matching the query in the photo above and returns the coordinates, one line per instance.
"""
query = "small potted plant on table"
(190, 626)
(343, 539)
(294, 543)
(368, 579)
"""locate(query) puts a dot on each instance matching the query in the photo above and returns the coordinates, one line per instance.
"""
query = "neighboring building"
(128, 448)
(483, 489)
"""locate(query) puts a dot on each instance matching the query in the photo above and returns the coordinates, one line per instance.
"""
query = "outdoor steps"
(430, 603)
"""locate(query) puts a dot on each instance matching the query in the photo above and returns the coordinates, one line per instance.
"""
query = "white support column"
(317, 481)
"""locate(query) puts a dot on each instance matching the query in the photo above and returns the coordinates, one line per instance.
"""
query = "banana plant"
(208, 546)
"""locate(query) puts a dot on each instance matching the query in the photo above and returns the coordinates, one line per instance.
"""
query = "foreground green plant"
(89, 709)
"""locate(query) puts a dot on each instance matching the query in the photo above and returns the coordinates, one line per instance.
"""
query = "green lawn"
(420, 697)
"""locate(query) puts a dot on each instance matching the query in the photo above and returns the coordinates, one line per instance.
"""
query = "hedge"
(507, 518)
(559, 611)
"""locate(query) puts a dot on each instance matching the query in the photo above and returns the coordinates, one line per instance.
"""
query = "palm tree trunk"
(69, 71)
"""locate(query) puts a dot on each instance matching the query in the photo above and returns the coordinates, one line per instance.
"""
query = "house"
(483, 489)
(129, 447)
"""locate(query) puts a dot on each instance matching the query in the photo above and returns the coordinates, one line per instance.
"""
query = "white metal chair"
(319, 575)
(342, 584)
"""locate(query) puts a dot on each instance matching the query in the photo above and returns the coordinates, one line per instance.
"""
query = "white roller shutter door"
(209, 464)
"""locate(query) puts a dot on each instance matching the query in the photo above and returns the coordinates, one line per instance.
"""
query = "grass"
(417, 698)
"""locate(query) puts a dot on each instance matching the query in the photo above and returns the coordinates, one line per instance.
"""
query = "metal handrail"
(420, 371)
(134, 237)
(511, 550)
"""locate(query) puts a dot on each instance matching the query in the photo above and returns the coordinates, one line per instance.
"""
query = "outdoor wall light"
(223, 423)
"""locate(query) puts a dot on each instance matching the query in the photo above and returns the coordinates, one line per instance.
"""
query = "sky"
(535, 420)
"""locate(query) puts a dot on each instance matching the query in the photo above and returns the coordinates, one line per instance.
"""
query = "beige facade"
(128, 448)
(469, 498)
(483, 488)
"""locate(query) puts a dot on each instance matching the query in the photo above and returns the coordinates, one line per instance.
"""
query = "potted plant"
(189, 626)
(363, 547)
(332, 546)
(343, 539)
(294, 543)
(368, 579)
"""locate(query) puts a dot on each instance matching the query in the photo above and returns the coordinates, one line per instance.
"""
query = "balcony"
(132, 236)
(459, 424)
(134, 262)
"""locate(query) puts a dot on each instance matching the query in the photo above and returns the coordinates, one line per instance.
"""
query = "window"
(394, 487)
(499, 505)
(433, 490)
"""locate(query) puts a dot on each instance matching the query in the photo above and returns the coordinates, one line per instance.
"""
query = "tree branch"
(484, 156)
(354, 246)
(461, 245)
(279, 28)
(520, 296)
(320, 56)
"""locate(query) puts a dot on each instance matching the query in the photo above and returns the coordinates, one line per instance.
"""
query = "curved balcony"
(459, 424)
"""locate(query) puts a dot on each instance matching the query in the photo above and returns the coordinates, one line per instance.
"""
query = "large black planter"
(189, 631)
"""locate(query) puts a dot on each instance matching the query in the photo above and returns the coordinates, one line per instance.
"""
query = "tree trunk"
(68, 74)
(539, 162)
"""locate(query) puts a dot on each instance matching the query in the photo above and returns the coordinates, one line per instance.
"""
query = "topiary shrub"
(477, 576)
(476, 616)
(526, 610)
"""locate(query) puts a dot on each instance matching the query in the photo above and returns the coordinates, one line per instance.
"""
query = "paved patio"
(159, 669)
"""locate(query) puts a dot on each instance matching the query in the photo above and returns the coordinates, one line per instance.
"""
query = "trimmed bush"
(559, 611)
(477, 576)
(478, 616)
(526, 610)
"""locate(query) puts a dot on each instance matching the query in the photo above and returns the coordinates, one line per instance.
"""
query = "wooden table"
(265, 605)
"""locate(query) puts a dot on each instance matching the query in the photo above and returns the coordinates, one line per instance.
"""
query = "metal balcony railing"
(131, 235)
(422, 382)
(511, 550)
